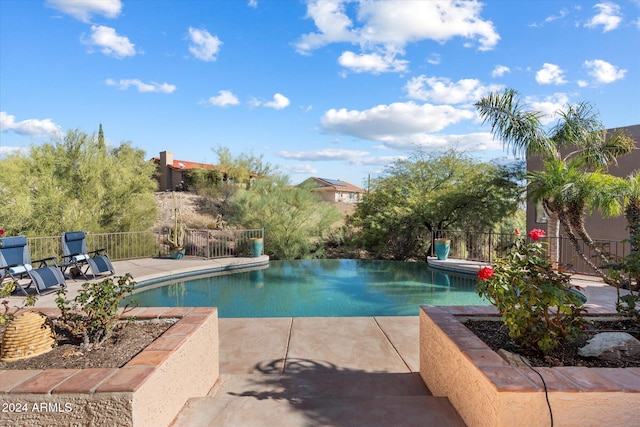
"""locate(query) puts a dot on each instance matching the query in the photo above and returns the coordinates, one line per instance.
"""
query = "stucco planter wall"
(148, 391)
(486, 391)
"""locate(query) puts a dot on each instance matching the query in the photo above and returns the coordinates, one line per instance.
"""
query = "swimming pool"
(318, 288)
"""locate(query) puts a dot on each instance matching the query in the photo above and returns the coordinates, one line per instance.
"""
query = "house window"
(541, 215)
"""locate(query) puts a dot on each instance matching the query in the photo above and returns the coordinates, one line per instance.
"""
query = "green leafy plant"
(8, 313)
(93, 314)
(535, 301)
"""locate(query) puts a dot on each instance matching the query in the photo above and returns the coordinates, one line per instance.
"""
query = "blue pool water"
(318, 288)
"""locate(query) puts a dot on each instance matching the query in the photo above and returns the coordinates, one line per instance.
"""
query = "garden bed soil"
(495, 335)
(126, 342)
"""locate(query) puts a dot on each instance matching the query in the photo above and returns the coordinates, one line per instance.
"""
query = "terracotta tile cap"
(85, 381)
(589, 379)
(44, 381)
(149, 358)
(10, 378)
(506, 378)
(168, 343)
(127, 379)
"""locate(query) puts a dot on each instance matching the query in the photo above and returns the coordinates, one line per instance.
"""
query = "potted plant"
(176, 234)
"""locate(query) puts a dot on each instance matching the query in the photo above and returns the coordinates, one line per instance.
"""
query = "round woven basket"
(27, 335)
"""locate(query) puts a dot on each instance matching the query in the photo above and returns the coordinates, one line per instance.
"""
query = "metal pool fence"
(485, 247)
(146, 244)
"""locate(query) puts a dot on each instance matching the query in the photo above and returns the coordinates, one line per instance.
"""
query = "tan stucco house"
(334, 190)
(173, 174)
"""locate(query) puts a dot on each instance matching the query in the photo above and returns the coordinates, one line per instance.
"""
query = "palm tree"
(565, 186)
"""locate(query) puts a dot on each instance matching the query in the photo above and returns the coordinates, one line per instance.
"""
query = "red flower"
(516, 232)
(485, 273)
(536, 234)
(1, 231)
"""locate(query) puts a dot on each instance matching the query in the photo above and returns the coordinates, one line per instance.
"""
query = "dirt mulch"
(496, 336)
(126, 342)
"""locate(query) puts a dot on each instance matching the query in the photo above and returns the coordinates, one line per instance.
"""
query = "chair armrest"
(43, 261)
(98, 251)
(71, 255)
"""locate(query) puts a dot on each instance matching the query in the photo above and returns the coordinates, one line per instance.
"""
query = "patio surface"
(316, 371)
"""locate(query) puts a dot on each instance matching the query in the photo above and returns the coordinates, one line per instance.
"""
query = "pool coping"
(201, 272)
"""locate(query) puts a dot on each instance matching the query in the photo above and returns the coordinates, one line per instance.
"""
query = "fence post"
(490, 247)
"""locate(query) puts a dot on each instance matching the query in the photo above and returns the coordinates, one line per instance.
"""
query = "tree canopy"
(426, 192)
(76, 183)
(295, 220)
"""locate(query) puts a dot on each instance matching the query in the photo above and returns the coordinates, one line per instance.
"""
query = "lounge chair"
(16, 264)
(75, 254)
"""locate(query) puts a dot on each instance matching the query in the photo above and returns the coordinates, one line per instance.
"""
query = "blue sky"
(336, 89)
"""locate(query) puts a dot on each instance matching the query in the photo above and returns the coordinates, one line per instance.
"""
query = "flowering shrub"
(535, 234)
(533, 299)
(1, 231)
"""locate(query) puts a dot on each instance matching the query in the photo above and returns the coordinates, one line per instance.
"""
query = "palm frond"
(517, 128)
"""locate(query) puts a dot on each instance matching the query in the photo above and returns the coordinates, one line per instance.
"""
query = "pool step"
(347, 399)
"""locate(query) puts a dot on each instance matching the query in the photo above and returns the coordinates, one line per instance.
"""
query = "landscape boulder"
(611, 346)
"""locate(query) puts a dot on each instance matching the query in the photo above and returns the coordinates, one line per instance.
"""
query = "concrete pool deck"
(315, 371)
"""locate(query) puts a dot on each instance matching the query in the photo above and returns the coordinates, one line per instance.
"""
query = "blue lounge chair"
(75, 254)
(16, 264)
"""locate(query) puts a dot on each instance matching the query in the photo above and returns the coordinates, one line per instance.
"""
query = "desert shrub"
(8, 313)
(93, 314)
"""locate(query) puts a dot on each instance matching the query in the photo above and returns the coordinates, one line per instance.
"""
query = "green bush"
(93, 314)
(534, 300)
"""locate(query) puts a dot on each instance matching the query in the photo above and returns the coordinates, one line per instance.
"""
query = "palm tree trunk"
(553, 237)
(566, 224)
(632, 214)
(576, 219)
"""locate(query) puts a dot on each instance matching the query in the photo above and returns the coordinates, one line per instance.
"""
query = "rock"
(611, 346)
(514, 359)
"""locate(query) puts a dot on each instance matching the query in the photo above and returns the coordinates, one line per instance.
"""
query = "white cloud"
(203, 46)
(434, 59)
(6, 151)
(305, 168)
(354, 157)
(548, 106)
(603, 71)
(500, 70)
(224, 98)
(110, 42)
(279, 102)
(550, 74)
(609, 17)
(392, 123)
(372, 62)
(383, 28)
(124, 84)
(29, 127)
(323, 155)
(560, 15)
(84, 9)
(332, 22)
(443, 91)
